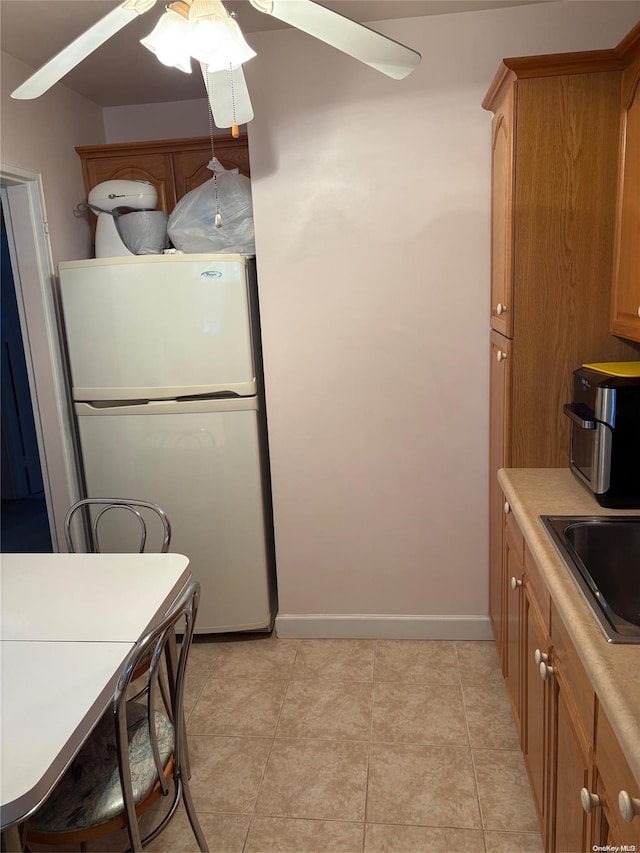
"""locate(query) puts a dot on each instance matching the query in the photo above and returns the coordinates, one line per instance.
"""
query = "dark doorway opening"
(24, 523)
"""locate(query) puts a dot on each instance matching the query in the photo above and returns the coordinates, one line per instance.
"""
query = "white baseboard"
(358, 626)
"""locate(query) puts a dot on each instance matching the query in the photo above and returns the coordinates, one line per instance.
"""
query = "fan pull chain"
(212, 162)
(235, 130)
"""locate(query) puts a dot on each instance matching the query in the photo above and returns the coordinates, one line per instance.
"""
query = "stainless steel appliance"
(605, 432)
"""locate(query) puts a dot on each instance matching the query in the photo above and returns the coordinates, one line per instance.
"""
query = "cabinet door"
(155, 168)
(190, 166)
(498, 458)
(190, 169)
(615, 777)
(571, 829)
(513, 560)
(625, 313)
(502, 164)
(535, 701)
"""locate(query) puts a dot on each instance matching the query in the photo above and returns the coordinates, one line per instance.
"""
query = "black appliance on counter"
(605, 432)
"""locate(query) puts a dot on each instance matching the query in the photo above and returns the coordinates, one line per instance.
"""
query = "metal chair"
(93, 511)
(132, 754)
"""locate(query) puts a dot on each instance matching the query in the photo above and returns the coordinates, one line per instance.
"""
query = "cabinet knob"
(501, 309)
(629, 806)
(507, 508)
(515, 583)
(638, 310)
(500, 355)
(589, 801)
(546, 671)
(539, 656)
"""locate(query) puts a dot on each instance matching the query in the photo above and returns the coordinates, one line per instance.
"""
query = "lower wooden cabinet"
(535, 699)
(618, 792)
(583, 789)
(568, 829)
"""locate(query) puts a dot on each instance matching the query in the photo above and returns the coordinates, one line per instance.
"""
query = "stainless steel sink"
(603, 555)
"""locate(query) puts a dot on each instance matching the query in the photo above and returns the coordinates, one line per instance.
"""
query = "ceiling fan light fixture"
(169, 40)
(215, 37)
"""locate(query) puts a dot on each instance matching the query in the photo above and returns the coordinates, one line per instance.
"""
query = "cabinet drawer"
(565, 658)
(537, 588)
(616, 776)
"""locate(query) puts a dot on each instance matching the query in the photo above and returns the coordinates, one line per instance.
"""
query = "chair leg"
(12, 840)
(172, 666)
(193, 817)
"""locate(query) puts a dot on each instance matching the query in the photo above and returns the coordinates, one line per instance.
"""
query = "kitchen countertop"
(614, 669)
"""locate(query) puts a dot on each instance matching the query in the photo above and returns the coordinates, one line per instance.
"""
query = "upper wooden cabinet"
(625, 304)
(555, 158)
(502, 159)
(173, 166)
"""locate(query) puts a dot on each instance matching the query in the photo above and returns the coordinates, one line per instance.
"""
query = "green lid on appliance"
(617, 368)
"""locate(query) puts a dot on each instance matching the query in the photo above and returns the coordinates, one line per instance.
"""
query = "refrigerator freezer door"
(203, 469)
(154, 327)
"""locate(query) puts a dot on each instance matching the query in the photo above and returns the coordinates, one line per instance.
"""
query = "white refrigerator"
(165, 368)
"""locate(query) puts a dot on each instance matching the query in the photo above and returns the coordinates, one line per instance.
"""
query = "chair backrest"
(157, 645)
(93, 511)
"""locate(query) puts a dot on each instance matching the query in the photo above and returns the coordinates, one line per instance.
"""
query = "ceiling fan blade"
(374, 49)
(228, 96)
(72, 55)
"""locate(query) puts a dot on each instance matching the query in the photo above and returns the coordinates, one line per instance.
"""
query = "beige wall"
(40, 136)
(139, 122)
(371, 203)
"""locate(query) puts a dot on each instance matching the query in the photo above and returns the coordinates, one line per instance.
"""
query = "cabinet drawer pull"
(539, 656)
(501, 309)
(589, 801)
(507, 508)
(629, 806)
(500, 355)
(546, 671)
(515, 583)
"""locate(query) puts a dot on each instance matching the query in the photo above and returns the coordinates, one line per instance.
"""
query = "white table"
(68, 623)
(84, 597)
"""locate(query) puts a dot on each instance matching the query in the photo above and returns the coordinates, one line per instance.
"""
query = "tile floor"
(352, 746)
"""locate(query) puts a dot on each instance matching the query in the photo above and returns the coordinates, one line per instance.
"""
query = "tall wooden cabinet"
(625, 302)
(555, 158)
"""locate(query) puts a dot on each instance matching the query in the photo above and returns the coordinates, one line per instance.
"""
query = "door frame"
(22, 198)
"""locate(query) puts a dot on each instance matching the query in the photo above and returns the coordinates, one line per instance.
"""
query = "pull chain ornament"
(212, 163)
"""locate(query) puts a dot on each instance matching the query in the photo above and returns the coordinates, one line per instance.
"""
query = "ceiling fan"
(204, 30)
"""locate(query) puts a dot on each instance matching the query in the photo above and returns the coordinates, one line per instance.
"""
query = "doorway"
(43, 479)
(24, 524)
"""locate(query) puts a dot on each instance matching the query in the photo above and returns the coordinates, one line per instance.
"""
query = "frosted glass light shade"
(169, 40)
(215, 37)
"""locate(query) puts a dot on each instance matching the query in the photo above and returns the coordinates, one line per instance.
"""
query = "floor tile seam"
(515, 831)
(427, 681)
(515, 749)
(187, 716)
(450, 827)
(446, 826)
(429, 743)
(464, 746)
(342, 739)
(464, 701)
(268, 758)
(338, 820)
(475, 776)
(315, 679)
(473, 765)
